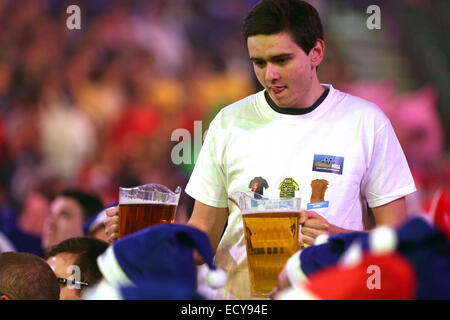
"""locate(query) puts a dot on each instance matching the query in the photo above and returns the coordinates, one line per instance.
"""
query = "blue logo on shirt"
(327, 163)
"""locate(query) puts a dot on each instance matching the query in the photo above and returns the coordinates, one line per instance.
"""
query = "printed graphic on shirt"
(330, 164)
(258, 184)
(288, 187)
(317, 200)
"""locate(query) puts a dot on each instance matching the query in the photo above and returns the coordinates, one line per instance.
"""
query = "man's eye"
(281, 61)
(65, 214)
(259, 63)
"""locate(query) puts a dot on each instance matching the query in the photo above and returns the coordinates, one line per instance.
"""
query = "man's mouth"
(277, 89)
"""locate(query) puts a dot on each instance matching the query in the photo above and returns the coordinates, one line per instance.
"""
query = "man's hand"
(112, 223)
(283, 283)
(313, 225)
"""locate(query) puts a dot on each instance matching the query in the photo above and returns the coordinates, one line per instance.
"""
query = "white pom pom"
(321, 239)
(383, 240)
(216, 278)
(353, 256)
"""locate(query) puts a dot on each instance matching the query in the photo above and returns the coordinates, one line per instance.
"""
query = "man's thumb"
(303, 217)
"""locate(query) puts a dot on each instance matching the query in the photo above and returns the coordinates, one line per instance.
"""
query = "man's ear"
(317, 53)
(4, 297)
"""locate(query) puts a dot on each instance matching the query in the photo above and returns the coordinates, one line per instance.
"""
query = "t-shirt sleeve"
(388, 176)
(207, 181)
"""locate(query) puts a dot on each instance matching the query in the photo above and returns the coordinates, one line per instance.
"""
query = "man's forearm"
(391, 214)
(335, 229)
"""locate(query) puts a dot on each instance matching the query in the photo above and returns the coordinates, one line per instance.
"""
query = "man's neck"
(312, 95)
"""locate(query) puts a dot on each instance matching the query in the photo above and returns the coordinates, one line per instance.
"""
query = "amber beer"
(136, 216)
(271, 238)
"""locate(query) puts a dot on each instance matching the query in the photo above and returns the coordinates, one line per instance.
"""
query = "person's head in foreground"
(75, 259)
(25, 276)
(156, 263)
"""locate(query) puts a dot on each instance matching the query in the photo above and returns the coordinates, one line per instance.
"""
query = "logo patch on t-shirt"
(258, 184)
(330, 164)
(317, 205)
(318, 189)
(288, 187)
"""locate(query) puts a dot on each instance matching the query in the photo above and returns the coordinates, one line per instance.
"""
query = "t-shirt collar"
(295, 111)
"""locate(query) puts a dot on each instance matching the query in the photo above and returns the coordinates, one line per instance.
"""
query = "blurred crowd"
(95, 108)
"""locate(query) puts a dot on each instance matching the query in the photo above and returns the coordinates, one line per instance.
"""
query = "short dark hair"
(299, 18)
(91, 204)
(25, 276)
(87, 250)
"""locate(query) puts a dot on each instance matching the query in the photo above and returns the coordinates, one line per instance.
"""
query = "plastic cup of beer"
(271, 238)
(146, 205)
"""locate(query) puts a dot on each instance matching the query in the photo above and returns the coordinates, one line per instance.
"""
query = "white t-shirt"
(339, 157)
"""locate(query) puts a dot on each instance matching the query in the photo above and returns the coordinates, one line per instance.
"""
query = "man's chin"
(282, 103)
(280, 99)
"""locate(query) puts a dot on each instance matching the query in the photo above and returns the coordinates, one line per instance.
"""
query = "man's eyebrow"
(274, 58)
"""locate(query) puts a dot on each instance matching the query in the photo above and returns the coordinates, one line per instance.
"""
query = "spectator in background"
(25, 276)
(81, 252)
(25, 230)
(68, 211)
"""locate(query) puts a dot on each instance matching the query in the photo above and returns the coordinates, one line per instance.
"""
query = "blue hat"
(424, 246)
(96, 220)
(326, 252)
(376, 277)
(163, 252)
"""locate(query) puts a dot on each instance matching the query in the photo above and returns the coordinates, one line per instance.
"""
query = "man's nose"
(272, 73)
(50, 221)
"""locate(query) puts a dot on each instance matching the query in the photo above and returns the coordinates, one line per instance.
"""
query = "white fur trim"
(383, 240)
(111, 270)
(102, 291)
(216, 278)
(352, 256)
(99, 220)
(293, 269)
(321, 239)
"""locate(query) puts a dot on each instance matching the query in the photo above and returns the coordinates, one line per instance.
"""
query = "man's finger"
(308, 240)
(110, 231)
(303, 217)
(311, 232)
(111, 221)
(315, 223)
(113, 237)
(113, 211)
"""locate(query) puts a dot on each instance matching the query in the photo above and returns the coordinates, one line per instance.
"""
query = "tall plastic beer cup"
(271, 228)
(145, 206)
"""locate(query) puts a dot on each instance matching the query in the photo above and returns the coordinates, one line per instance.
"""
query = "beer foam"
(255, 210)
(141, 201)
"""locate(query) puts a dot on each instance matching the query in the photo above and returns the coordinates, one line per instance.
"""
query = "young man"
(301, 138)
(335, 151)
